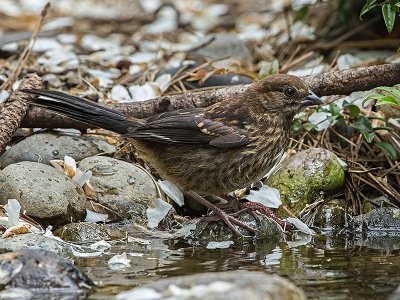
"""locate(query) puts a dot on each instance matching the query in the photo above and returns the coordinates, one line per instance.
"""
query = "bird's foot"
(254, 206)
(229, 219)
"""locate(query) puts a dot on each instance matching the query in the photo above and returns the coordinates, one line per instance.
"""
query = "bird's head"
(283, 94)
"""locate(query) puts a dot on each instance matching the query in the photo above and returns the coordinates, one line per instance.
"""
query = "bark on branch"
(331, 83)
(14, 109)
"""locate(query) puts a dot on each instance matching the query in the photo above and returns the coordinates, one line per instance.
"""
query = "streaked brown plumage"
(211, 150)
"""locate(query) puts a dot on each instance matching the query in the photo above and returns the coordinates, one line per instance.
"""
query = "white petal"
(157, 214)
(267, 196)
(141, 93)
(300, 225)
(163, 82)
(219, 245)
(100, 245)
(118, 262)
(172, 191)
(120, 94)
(95, 217)
(13, 209)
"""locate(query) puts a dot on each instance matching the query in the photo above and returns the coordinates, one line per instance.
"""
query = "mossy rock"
(307, 176)
(332, 216)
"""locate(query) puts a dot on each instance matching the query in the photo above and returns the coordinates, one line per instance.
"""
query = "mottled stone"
(123, 187)
(232, 285)
(44, 147)
(47, 195)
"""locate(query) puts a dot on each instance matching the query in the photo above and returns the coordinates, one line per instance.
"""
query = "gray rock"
(45, 194)
(378, 229)
(41, 270)
(44, 147)
(233, 285)
(82, 232)
(306, 176)
(382, 221)
(218, 231)
(34, 241)
(332, 216)
(226, 45)
(123, 187)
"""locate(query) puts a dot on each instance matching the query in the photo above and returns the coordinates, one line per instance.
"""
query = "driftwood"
(331, 83)
(15, 107)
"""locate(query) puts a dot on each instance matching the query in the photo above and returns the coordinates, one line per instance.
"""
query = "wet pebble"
(209, 232)
(34, 241)
(122, 187)
(44, 147)
(48, 196)
(43, 271)
(82, 232)
(332, 216)
(384, 221)
(233, 285)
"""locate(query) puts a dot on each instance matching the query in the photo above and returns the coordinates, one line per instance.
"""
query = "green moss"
(305, 178)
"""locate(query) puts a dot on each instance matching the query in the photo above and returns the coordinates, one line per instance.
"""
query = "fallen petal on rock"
(157, 213)
(119, 262)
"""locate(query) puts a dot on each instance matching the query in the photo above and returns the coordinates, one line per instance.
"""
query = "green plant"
(389, 10)
(393, 98)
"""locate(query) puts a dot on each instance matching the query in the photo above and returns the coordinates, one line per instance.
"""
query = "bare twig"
(27, 51)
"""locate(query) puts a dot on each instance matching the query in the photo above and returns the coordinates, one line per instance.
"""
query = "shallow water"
(325, 267)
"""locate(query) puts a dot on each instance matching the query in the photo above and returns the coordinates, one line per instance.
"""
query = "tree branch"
(331, 83)
(15, 107)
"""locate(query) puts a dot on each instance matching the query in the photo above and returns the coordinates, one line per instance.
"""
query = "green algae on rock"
(306, 176)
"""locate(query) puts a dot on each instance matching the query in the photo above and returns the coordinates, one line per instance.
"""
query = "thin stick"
(27, 51)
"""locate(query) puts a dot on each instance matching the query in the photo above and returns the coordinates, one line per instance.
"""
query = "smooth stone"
(41, 270)
(382, 221)
(82, 232)
(306, 177)
(233, 285)
(332, 216)
(44, 147)
(206, 232)
(34, 241)
(124, 188)
(47, 195)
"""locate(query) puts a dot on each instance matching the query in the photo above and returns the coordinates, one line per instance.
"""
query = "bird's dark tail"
(83, 110)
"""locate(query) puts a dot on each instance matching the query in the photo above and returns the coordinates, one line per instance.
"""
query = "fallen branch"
(331, 83)
(15, 107)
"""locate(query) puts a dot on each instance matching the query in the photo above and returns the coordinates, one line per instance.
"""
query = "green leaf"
(301, 13)
(388, 149)
(334, 109)
(388, 100)
(363, 125)
(367, 7)
(372, 97)
(309, 126)
(391, 90)
(389, 16)
(354, 110)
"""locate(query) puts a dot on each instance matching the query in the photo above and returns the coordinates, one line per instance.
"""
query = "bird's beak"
(311, 99)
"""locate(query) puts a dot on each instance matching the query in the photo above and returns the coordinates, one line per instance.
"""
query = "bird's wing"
(190, 126)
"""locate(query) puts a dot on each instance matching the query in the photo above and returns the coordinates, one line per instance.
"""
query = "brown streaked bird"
(205, 151)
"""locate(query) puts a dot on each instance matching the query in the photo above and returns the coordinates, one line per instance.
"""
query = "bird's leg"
(254, 206)
(228, 220)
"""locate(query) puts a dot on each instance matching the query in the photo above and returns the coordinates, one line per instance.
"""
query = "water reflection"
(326, 267)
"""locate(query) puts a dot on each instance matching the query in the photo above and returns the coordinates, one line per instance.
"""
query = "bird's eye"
(290, 92)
